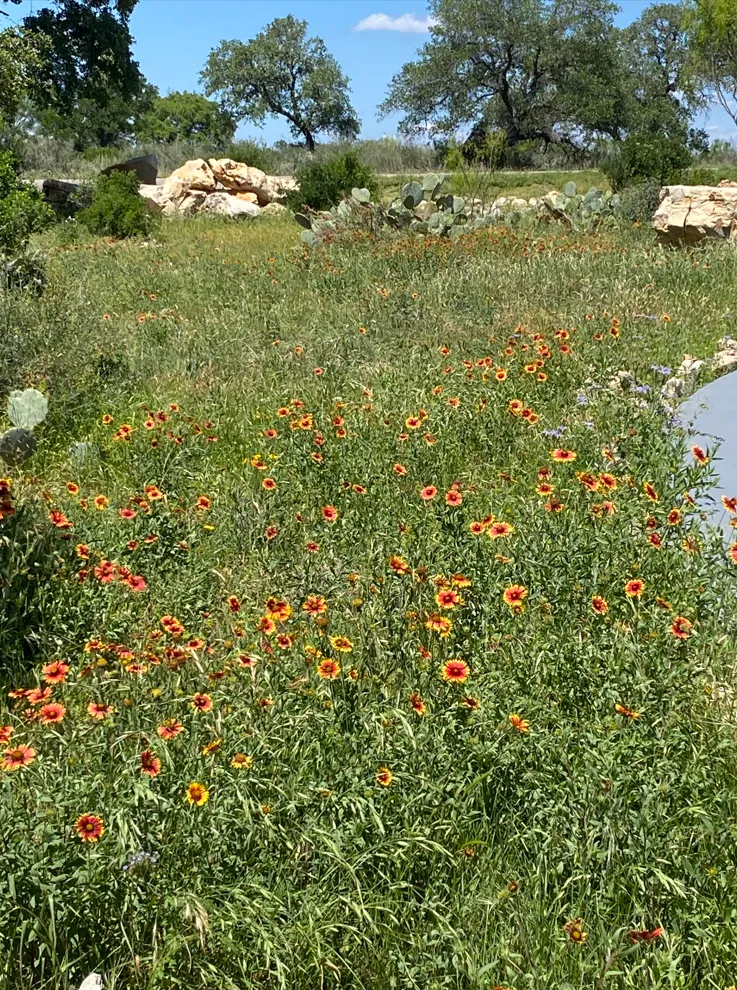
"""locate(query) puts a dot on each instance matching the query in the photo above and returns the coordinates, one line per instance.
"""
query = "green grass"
(303, 870)
(522, 184)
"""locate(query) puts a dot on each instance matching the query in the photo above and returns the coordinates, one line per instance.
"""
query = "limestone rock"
(690, 367)
(228, 205)
(688, 214)
(674, 388)
(91, 982)
(623, 381)
(174, 189)
(273, 209)
(518, 203)
(236, 175)
(726, 355)
(192, 202)
(146, 168)
(426, 209)
(154, 196)
(195, 174)
(247, 197)
(247, 178)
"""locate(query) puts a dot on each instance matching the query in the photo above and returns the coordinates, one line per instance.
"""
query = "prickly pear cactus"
(27, 408)
(412, 195)
(431, 184)
(361, 196)
(17, 445)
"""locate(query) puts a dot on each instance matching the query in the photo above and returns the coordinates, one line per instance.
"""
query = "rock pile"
(222, 186)
(688, 214)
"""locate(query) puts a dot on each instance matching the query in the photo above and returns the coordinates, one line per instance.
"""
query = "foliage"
(21, 57)
(117, 209)
(488, 840)
(22, 212)
(423, 207)
(89, 87)
(534, 70)
(475, 164)
(638, 203)
(324, 184)
(712, 176)
(647, 158)
(253, 153)
(663, 89)
(713, 30)
(183, 116)
(282, 73)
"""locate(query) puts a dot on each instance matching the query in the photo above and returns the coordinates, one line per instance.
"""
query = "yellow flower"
(197, 794)
(241, 762)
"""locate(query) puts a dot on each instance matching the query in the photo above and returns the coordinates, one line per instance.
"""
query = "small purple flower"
(661, 369)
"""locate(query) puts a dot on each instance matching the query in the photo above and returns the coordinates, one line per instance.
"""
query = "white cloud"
(406, 23)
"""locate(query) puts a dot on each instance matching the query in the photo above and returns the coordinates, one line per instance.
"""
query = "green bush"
(710, 176)
(636, 204)
(22, 211)
(647, 158)
(117, 209)
(251, 153)
(322, 185)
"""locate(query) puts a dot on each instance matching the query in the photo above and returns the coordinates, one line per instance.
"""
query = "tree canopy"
(533, 68)
(188, 117)
(21, 59)
(556, 71)
(89, 86)
(713, 28)
(282, 73)
(658, 69)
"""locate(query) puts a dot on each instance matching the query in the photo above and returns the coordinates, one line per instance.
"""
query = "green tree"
(659, 69)
(712, 25)
(90, 88)
(186, 116)
(282, 73)
(21, 58)
(541, 70)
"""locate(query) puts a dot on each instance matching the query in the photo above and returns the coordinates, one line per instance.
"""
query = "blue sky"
(174, 37)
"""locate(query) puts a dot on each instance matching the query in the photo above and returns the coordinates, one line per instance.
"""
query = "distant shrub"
(323, 184)
(22, 211)
(636, 204)
(251, 153)
(117, 208)
(710, 176)
(647, 158)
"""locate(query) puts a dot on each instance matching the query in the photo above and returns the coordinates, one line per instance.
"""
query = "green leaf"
(27, 408)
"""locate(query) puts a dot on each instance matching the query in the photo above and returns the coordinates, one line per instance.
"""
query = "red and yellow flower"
(89, 828)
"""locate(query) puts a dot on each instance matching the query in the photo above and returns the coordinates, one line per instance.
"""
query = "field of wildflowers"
(355, 633)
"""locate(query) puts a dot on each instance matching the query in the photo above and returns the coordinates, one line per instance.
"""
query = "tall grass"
(202, 362)
(44, 157)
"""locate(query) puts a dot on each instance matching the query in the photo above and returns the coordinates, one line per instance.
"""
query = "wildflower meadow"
(356, 630)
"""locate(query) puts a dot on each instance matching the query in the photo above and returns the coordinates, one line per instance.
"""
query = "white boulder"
(226, 205)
